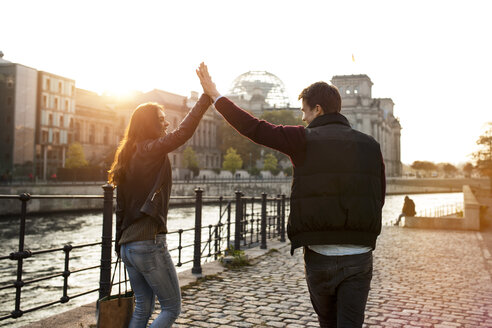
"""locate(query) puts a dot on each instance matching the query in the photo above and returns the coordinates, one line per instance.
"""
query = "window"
(106, 135)
(92, 134)
(71, 123)
(61, 120)
(44, 136)
(10, 82)
(56, 138)
(45, 102)
(50, 119)
(341, 90)
(48, 84)
(66, 105)
(60, 87)
(347, 91)
(77, 132)
(56, 103)
(356, 90)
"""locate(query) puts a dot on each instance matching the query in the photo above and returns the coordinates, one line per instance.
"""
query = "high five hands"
(206, 81)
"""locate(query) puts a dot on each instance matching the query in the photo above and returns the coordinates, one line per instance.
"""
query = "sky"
(432, 58)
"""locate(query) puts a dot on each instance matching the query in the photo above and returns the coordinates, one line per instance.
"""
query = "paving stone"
(222, 321)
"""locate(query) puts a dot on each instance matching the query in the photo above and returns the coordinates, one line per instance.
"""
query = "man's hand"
(206, 81)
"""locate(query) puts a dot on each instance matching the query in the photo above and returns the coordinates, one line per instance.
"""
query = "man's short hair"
(323, 94)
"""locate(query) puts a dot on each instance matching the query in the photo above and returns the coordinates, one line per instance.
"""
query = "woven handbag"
(115, 311)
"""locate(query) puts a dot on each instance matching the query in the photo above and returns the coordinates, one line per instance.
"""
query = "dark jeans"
(338, 286)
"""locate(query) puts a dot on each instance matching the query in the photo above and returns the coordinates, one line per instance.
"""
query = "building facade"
(98, 127)
(18, 90)
(372, 116)
(55, 122)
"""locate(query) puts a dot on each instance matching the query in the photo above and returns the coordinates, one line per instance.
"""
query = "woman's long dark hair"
(144, 124)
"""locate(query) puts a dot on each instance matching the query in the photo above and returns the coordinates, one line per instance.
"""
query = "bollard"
(282, 227)
(197, 267)
(107, 228)
(263, 221)
(239, 218)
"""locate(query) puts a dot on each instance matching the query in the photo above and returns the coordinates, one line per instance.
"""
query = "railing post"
(263, 221)
(279, 205)
(66, 273)
(24, 198)
(229, 226)
(216, 244)
(239, 218)
(197, 267)
(107, 229)
(282, 226)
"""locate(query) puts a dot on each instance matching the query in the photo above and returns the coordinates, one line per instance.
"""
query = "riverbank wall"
(183, 192)
(470, 220)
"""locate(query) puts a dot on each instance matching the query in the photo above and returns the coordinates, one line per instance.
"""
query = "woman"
(142, 173)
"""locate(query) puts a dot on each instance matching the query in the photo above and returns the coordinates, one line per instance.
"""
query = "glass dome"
(260, 83)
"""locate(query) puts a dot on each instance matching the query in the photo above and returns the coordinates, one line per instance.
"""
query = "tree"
(284, 117)
(270, 163)
(230, 138)
(190, 160)
(483, 156)
(424, 166)
(75, 156)
(468, 169)
(232, 161)
(449, 169)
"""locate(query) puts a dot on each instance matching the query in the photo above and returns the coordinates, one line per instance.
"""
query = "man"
(337, 196)
(407, 210)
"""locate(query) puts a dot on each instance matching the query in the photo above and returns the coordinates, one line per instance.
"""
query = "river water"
(54, 231)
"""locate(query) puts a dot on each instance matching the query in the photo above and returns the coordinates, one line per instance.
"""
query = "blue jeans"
(152, 274)
(339, 287)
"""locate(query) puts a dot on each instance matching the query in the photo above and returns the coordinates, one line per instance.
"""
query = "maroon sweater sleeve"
(288, 139)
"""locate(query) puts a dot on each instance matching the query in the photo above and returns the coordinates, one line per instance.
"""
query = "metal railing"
(194, 180)
(256, 220)
(440, 211)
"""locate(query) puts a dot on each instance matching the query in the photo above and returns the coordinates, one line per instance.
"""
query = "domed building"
(258, 91)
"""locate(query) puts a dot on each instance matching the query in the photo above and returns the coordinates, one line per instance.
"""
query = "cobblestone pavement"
(422, 278)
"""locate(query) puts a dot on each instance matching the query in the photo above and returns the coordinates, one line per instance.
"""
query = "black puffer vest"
(336, 192)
